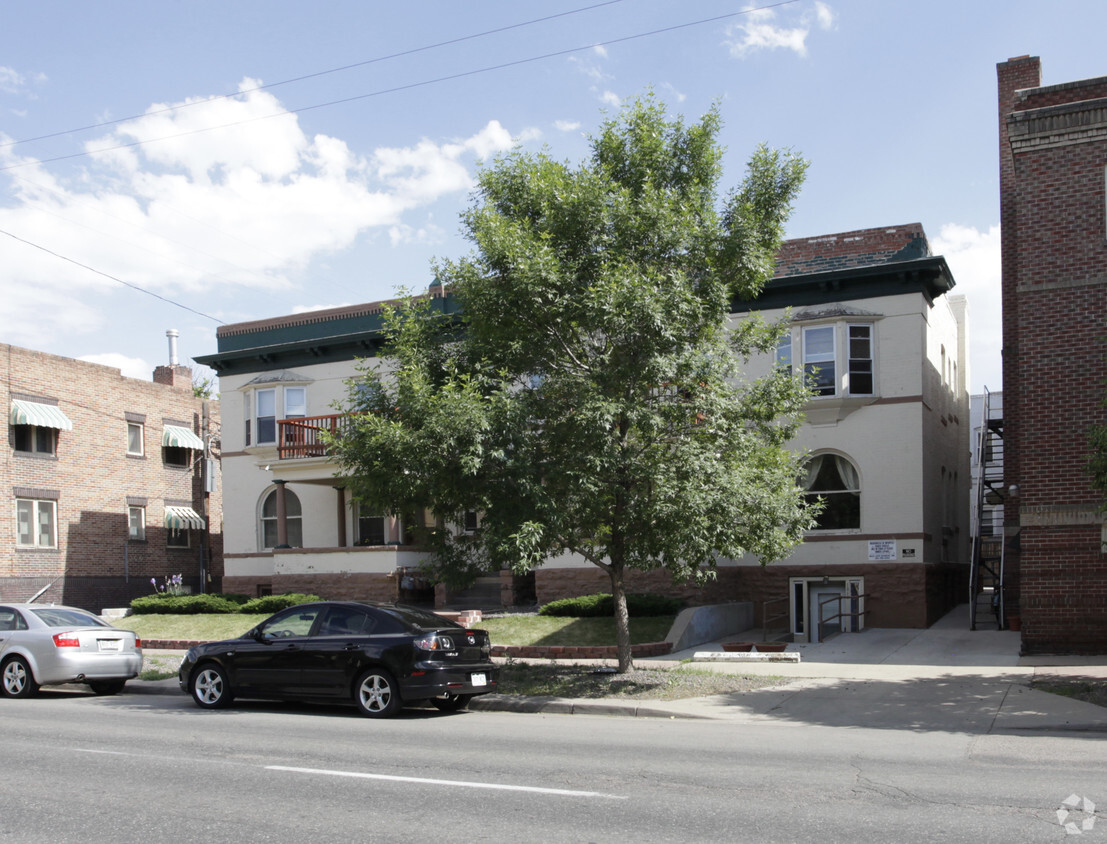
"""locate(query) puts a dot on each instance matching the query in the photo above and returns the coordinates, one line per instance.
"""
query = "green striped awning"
(181, 518)
(42, 415)
(181, 438)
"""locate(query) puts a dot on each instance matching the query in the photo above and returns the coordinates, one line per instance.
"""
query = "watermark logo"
(1076, 815)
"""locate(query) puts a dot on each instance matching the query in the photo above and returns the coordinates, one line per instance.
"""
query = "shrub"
(275, 603)
(235, 598)
(165, 604)
(593, 606)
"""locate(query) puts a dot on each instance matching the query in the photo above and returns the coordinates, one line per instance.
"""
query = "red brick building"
(1053, 165)
(106, 480)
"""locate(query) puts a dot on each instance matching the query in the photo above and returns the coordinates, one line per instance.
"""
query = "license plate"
(480, 680)
(111, 644)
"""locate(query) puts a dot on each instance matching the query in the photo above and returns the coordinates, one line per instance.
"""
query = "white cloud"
(759, 30)
(610, 98)
(11, 81)
(567, 125)
(673, 94)
(198, 216)
(307, 309)
(130, 367)
(426, 233)
(974, 259)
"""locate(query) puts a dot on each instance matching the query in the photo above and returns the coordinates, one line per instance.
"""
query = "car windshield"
(63, 617)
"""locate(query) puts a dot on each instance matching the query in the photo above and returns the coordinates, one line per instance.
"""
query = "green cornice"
(928, 276)
(344, 334)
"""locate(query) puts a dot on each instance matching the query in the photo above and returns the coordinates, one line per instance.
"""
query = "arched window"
(835, 481)
(293, 520)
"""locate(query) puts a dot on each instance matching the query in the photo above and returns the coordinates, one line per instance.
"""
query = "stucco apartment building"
(1053, 167)
(108, 481)
(887, 433)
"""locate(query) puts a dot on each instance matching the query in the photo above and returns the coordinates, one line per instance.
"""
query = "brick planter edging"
(169, 644)
(527, 651)
(579, 651)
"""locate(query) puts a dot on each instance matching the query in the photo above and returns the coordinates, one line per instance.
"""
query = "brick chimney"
(174, 375)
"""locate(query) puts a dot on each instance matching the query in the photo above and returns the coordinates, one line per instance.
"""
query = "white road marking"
(557, 792)
(456, 783)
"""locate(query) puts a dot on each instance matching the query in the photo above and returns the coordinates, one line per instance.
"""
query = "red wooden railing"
(303, 437)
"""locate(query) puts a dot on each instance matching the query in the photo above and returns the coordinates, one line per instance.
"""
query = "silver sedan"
(44, 644)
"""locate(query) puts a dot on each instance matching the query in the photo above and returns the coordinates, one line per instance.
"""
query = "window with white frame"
(265, 407)
(136, 523)
(295, 407)
(859, 366)
(834, 481)
(135, 439)
(838, 359)
(293, 520)
(819, 359)
(177, 537)
(266, 415)
(295, 402)
(370, 528)
(36, 523)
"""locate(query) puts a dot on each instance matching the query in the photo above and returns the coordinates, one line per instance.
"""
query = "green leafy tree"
(590, 398)
(203, 386)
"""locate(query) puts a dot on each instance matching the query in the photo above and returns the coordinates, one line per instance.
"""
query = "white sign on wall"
(882, 549)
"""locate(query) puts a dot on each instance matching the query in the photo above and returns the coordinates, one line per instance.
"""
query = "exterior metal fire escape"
(986, 609)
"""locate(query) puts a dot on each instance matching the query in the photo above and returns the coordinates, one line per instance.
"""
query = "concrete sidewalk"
(943, 678)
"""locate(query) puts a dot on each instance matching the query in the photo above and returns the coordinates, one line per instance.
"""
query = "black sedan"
(376, 656)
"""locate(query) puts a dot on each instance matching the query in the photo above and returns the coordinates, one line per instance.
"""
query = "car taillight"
(138, 642)
(434, 642)
(66, 640)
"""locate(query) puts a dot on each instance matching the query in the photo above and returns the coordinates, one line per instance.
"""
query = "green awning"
(181, 438)
(42, 415)
(182, 518)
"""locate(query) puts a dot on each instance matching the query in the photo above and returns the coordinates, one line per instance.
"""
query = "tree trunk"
(622, 620)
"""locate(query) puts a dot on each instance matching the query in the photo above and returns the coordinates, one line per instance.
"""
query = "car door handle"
(292, 647)
(350, 646)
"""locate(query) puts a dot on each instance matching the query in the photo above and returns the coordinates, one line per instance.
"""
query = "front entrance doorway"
(817, 602)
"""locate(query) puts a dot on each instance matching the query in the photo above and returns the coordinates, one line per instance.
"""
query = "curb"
(490, 703)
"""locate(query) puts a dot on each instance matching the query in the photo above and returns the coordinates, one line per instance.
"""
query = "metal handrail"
(839, 615)
(766, 618)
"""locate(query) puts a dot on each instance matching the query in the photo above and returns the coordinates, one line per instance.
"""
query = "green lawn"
(507, 630)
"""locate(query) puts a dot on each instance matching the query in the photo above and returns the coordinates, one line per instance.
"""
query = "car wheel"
(210, 687)
(107, 687)
(376, 694)
(16, 678)
(450, 702)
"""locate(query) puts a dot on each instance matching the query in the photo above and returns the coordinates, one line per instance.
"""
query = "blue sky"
(159, 169)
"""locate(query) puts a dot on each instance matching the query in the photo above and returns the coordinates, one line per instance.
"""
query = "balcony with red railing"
(303, 437)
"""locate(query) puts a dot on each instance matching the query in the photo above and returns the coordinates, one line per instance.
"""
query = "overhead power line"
(112, 277)
(307, 76)
(407, 87)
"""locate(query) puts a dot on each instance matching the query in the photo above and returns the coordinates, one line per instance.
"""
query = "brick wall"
(93, 479)
(1054, 305)
(330, 587)
(894, 588)
(860, 248)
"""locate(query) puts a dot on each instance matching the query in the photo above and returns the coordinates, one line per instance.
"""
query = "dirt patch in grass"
(1087, 690)
(590, 681)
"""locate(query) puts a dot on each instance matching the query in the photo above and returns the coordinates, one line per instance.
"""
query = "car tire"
(451, 702)
(376, 694)
(107, 687)
(16, 679)
(210, 687)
